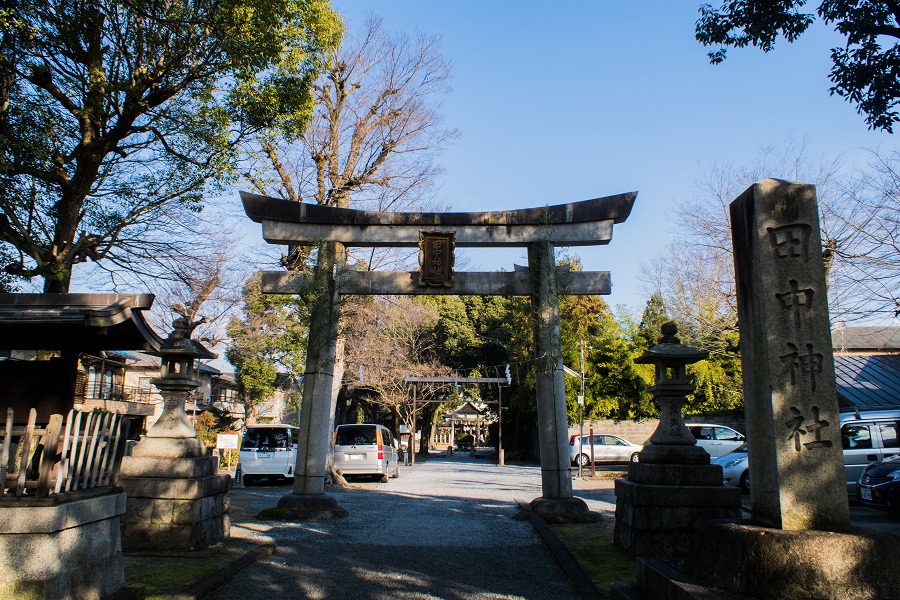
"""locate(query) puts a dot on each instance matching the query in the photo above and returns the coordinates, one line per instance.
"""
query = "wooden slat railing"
(82, 453)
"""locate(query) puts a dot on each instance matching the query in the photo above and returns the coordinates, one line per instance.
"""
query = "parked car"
(866, 438)
(879, 484)
(607, 448)
(366, 449)
(716, 439)
(268, 451)
(735, 468)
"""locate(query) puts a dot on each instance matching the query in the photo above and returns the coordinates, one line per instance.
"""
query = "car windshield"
(355, 436)
(268, 438)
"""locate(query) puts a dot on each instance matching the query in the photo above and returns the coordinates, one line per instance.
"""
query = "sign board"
(227, 441)
(436, 258)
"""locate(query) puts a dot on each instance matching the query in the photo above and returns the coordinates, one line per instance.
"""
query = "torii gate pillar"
(556, 480)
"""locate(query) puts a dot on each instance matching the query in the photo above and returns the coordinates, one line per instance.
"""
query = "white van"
(868, 437)
(717, 440)
(366, 449)
(268, 451)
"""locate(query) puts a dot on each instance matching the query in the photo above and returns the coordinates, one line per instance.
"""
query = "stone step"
(625, 591)
(660, 580)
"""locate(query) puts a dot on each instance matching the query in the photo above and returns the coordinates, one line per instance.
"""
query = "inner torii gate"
(540, 230)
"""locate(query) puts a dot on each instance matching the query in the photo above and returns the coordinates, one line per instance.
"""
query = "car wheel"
(384, 478)
(582, 460)
(636, 457)
(745, 482)
(248, 480)
(396, 474)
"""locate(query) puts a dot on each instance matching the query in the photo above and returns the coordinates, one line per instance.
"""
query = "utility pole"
(581, 413)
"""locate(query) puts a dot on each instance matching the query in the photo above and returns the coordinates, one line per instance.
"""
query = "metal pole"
(581, 418)
(593, 472)
(499, 425)
(412, 441)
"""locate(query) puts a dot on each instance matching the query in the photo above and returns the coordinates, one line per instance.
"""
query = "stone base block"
(154, 466)
(678, 495)
(68, 551)
(191, 536)
(304, 507)
(658, 474)
(659, 520)
(773, 563)
(183, 488)
(177, 447)
(177, 514)
(674, 455)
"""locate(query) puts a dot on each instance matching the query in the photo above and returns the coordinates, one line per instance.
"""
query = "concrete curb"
(205, 585)
(578, 576)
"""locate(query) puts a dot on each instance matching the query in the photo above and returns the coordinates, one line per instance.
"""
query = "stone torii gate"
(540, 230)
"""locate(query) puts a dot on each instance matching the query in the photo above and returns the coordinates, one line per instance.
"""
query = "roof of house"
(142, 360)
(225, 379)
(867, 382)
(866, 339)
(208, 369)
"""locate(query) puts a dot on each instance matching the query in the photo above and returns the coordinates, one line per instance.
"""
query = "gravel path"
(443, 530)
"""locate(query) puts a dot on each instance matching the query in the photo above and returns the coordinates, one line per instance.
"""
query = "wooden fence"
(82, 453)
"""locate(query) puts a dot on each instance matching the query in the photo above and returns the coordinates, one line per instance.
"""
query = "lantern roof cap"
(670, 349)
(179, 343)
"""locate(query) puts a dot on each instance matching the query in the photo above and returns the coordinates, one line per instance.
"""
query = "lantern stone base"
(659, 506)
(70, 550)
(174, 503)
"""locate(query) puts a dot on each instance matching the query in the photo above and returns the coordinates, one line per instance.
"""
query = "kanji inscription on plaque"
(436, 258)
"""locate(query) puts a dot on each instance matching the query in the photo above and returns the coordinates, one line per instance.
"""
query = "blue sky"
(566, 101)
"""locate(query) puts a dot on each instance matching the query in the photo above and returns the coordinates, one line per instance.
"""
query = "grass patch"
(164, 576)
(592, 546)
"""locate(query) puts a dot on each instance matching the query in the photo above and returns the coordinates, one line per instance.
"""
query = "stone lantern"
(173, 434)
(674, 487)
(176, 498)
(672, 442)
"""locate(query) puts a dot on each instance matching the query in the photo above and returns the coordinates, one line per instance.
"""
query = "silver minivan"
(366, 449)
(868, 437)
(268, 451)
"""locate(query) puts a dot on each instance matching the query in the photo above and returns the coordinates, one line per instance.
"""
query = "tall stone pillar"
(176, 498)
(790, 399)
(308, 498)
(553, 426)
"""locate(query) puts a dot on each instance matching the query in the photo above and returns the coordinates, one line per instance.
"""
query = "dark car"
(879, 485)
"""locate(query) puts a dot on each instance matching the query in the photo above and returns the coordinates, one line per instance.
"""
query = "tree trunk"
(249, 412)
(428, 420)
(58, 283)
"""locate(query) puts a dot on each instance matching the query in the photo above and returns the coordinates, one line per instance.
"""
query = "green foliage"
(271, 333)
(210, 423)
(864, 72)
(652, 320)
(719, 386)
(464, 441)
(118, 117)
(717, 379)
(613, 387)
